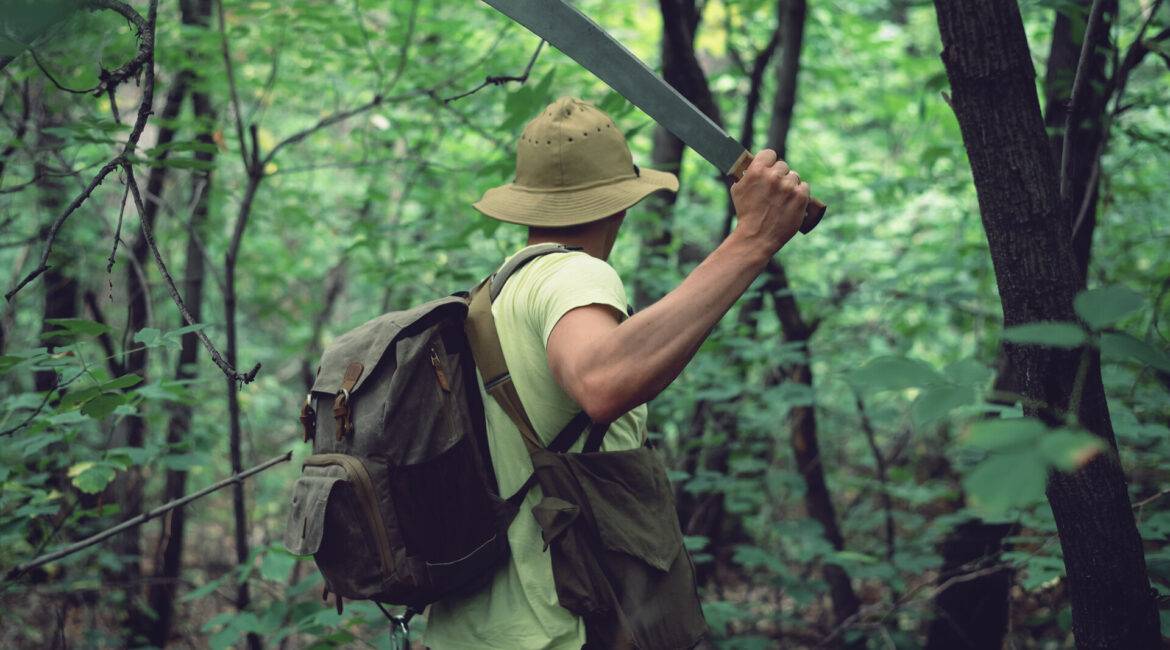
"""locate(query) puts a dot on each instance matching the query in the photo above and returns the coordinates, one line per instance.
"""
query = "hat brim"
(560, 208)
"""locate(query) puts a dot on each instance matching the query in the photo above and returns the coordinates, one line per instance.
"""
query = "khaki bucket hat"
(573, 166)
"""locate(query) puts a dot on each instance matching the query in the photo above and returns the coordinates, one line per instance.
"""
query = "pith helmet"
(573, 166)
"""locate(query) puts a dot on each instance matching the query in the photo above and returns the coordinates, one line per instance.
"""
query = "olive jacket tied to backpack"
(399, 504)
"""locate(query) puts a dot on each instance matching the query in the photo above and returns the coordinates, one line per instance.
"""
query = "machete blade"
(584, 41)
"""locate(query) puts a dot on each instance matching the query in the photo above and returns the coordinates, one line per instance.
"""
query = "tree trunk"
(680, 69)
(973, 613)
(169, 555)
(239, 507)
(61, 289)
(989, 66)
(128, 486)
(1088, 134)
(802, 419)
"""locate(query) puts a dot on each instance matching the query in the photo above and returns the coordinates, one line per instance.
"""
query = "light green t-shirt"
(518, 610)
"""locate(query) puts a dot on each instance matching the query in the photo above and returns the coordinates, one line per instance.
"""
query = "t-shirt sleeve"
(579, 279)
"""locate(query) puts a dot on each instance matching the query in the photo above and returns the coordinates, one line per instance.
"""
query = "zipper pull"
(439, 372)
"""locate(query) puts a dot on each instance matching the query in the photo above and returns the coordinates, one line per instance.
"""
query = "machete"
(584, 41)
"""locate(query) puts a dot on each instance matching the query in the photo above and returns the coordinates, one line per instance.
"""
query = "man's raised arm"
(609, 368)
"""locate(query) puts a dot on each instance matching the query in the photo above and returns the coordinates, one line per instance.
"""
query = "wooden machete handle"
(812, 212)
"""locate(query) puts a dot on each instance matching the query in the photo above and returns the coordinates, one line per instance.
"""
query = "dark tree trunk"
(239, 506)
(972, 613)
(681, 69)
(705, 515)
(169, 556)
(1088, 134)
(61, 288)
(990, 70)
(129, 484)
(802, 419)
(806, 448)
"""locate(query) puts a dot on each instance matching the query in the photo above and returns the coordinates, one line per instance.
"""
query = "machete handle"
(812, 212)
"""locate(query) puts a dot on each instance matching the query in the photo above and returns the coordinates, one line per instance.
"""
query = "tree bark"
(680, 69)
(169, 555)
(61, 288)
(989, 66)
(1088, 132)
(239, 507)
(973, 613)
(802, 419)
(129, 484)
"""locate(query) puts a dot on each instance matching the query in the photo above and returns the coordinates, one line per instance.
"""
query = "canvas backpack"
(398, 502)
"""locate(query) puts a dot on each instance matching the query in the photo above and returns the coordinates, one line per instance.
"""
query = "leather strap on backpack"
(489, 358)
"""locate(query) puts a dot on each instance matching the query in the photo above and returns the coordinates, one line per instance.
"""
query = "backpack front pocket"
(335, 517)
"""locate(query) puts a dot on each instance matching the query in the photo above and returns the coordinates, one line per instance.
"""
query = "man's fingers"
(762, 161)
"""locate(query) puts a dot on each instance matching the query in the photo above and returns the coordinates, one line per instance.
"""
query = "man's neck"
(593, 238)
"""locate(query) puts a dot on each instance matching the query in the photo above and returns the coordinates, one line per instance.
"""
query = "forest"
(939, 420)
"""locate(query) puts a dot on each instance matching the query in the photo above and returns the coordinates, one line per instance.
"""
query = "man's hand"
(770, 201)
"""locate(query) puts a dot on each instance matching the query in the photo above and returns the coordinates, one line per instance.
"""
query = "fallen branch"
(21, 569)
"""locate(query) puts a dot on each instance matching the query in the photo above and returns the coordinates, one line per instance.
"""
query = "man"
(569, 345)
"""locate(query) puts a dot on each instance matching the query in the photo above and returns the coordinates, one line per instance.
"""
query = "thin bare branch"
(330, 120)
(146, 46)
(169, 280)
(233, 92)
(45, 71)
(1077, 96)
(500, 80)
(21, 569)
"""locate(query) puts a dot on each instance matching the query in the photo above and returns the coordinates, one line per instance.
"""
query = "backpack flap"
(367, 344)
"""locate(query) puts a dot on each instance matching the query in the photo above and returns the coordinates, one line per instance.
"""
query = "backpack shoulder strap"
(500, 277)
(489, 355)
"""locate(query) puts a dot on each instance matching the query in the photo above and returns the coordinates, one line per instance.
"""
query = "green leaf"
(73, 398)
(1005, 481)
(276, 564)
(91, 477)
(1118, 345)
(968, 372)
(1055, 334)
(186, 329)
(8, 361)
(124, 381)
(1106, 305)
(103, 405)
(1003, 433)
(894, 373)
(694, 543)
(1069, 449)
(203, 591)
(936, 402)
(77, 327)
(148, 336)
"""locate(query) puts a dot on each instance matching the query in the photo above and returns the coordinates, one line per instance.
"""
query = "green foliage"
(897, 279)
(1052, 334)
